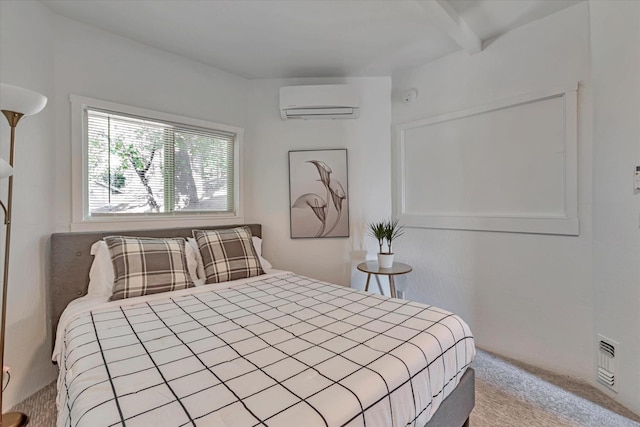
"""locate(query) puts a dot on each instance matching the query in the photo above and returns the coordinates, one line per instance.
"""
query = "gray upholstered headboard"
(71, 260)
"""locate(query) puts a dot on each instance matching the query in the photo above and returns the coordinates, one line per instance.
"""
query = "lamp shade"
(20, 100)
(5, 169)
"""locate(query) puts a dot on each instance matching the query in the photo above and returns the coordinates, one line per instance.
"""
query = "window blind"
(139, 165)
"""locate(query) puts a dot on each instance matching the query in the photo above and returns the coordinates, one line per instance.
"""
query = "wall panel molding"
(509, 166)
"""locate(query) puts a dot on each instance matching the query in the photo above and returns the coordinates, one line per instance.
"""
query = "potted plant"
(385, 231)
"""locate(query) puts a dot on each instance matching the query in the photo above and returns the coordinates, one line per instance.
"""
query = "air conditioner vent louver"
(607, 348)
(320, 112)
(607, 366)
(319, 102)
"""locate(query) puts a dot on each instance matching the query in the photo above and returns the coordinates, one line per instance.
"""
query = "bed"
(278, 349)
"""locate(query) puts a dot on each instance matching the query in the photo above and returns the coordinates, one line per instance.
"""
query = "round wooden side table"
(372, 267)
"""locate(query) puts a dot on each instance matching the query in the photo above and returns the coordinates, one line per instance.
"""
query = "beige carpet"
(41, 407)
(508, 394)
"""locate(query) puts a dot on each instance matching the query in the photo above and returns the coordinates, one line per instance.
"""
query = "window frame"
(81, 218)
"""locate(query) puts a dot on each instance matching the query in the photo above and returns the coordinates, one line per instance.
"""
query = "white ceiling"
(304, 38)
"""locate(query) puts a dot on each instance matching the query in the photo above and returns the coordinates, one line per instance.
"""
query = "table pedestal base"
(392, 285)
(14, 419)
(396, 268)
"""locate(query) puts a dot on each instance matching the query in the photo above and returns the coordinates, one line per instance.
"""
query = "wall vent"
(607, 363)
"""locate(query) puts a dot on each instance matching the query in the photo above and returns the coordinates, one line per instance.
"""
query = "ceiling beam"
(447, 19)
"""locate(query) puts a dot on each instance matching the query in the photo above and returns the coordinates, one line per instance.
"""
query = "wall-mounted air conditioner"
(319, 102)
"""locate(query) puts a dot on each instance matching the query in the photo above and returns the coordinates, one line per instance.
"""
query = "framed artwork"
(318, 193)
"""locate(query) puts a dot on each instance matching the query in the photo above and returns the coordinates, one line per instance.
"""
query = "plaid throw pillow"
(144, 266)
(227, 254)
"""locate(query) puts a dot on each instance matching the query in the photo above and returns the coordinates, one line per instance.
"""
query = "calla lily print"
(318, 182)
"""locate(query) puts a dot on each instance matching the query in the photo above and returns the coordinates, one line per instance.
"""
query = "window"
(145, 164)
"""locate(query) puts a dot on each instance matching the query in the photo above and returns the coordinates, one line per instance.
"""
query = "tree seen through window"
(142, 166)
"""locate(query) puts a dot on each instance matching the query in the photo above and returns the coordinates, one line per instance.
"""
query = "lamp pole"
(10, 419)
(15, 102)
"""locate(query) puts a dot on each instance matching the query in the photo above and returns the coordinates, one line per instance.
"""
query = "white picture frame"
(318, 193)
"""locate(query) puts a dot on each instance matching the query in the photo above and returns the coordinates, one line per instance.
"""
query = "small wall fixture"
(408, 96)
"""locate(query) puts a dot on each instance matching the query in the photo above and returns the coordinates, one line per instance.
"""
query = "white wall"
(26, 60)
(526, 296)
(57, 56)
(268, 142)
(615, 44)
(97, 64)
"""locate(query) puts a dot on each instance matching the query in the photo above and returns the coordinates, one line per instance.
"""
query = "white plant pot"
(385, 260)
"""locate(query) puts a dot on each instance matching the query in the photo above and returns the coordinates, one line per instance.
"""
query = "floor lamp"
(15, 103)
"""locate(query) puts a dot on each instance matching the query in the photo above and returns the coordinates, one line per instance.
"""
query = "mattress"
(275, 350)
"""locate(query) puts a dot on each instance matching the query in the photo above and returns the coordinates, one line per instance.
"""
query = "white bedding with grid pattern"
(275, 350)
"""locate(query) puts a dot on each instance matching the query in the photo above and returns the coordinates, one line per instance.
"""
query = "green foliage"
(115, 179)
(177, 169)
(377, 230)
(385, 231)
(392, 231)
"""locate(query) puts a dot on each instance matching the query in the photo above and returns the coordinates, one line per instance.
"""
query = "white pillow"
(191, 242)
(257, 245)
(192, 263)
(101, 275)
